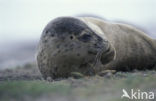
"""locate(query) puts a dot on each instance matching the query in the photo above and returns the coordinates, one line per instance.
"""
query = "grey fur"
(89, 45)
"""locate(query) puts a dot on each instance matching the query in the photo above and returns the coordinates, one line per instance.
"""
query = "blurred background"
(22, 21)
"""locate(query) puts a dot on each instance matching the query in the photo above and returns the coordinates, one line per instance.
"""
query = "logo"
(137, 94)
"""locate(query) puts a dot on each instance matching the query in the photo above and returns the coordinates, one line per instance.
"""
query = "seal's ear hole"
(71, 37)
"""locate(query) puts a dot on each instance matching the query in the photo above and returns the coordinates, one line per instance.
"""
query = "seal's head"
(69, 45)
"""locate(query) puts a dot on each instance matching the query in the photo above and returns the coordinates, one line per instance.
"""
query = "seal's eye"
(85, 38)
(71, 37)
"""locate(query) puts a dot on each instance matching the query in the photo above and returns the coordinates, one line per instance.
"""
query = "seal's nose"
(98, 46)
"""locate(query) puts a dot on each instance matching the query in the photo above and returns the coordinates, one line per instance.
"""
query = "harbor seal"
(89, 45)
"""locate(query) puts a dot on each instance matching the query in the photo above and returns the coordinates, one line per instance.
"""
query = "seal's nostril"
(92, 52)
(97, 46)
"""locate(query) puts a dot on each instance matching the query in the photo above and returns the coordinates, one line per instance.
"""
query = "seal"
(89, 45)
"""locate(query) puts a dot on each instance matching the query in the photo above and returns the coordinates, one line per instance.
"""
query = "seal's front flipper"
(77, 75)
(108, 55)
(107, 72)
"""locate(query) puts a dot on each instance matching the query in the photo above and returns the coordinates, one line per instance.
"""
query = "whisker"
(97, 58)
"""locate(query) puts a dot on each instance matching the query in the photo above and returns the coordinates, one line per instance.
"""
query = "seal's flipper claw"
(77, 75)
(107, 72)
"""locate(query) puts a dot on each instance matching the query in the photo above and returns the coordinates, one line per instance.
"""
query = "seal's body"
(134, 49)
(89, 45)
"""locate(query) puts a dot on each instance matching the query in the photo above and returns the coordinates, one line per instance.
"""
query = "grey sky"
(25, 19)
